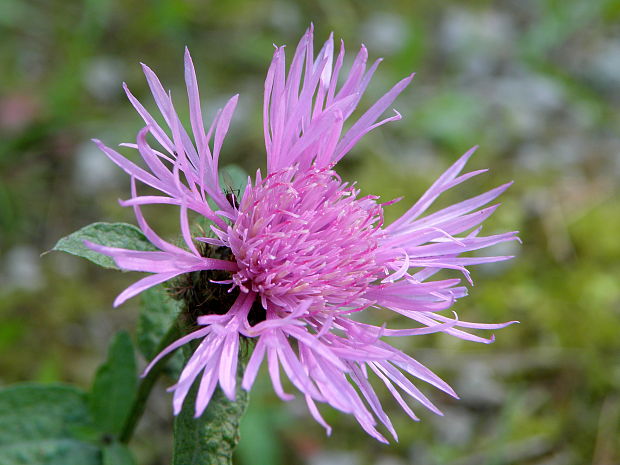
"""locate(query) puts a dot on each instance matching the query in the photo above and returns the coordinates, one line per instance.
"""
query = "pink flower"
(305, 246)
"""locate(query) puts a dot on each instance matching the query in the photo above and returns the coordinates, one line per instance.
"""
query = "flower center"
(305, 235)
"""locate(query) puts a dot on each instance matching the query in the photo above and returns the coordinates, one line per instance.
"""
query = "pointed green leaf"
(121, 235)
(147, 383)
(38, 425)
(158, 313)
(115, 385)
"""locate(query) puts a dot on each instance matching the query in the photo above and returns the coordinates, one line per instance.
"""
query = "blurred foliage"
(535, 82)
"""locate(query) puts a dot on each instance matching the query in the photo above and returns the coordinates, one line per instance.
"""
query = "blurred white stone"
(528, 99)
(541, 92)
(64, 264)
(612, 152)
(462, 29)
(421, 157)
(419, 453)
(93, 171)
(476, 39)
(605, 63)
(531, 157)
(22, 268)
(455, 427)
(569, 150)
(390, 460)
(476, 385)
(385, 33)
(559, 458)
(564, 154)
(335, 458)
(102, 78)
(285, 16)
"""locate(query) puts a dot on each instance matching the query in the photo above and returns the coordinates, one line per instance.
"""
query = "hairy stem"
(211, 438)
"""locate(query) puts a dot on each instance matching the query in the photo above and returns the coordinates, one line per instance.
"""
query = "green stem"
(211, 438)
(147, 383)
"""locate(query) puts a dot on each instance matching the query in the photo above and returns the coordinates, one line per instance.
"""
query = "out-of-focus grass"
(535, 83)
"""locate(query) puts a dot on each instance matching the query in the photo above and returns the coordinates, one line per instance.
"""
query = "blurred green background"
(535, 82)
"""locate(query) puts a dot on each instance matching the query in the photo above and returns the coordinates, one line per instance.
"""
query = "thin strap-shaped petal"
(462, 207)
(256, 359)
(361, 126)
(144, 284)
(194, 107)
(274, 372)
(147, 230)
(157, 131)
(130, 168)
(403, 404)
(228, 365)
(163, 101)
(175, 345)
(314, 411)
(402, 382)
(207, 386)
(372, 399)
(433, 192)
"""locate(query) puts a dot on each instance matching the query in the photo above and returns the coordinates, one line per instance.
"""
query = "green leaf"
(147, 383)
(115, 386)
(117, 454)
(211, 438)
(38, 425)
(157, 312)
(121, 235)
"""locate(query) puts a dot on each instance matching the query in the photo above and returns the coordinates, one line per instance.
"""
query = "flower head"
(303, 236)
(303, 246)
